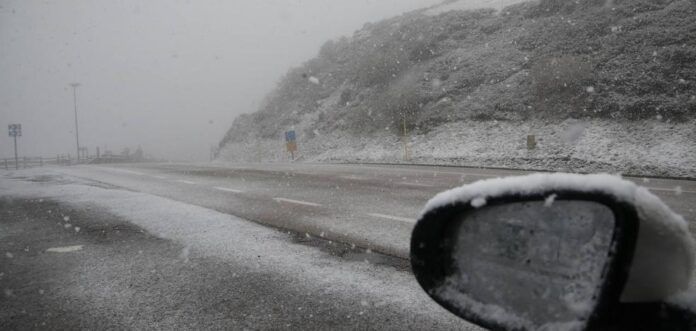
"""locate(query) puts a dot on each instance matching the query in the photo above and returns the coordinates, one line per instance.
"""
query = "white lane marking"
(65, 249)
(353, 177)
(225, 189)
(185, 181)
(159, 177)
(297, 202)
(125, 171)
(667, 189)
(416, 184)
(393, 218)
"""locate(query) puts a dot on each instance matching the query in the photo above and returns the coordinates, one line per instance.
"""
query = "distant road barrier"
(30, 162)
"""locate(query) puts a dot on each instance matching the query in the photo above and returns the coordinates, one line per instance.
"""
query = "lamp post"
(77, 131)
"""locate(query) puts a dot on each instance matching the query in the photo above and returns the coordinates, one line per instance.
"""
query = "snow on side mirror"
(551, 251)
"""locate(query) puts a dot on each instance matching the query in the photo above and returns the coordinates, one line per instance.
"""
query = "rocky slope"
(603, 85)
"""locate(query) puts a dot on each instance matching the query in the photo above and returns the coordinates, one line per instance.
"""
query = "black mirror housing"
(434, 239)
(432, 248)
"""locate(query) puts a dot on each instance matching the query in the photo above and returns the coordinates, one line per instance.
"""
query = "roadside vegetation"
(604, 86)
(623, 60)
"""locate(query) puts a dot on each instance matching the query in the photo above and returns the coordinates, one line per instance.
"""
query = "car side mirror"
(550, 251)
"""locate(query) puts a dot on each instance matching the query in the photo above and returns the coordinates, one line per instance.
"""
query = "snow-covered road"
(339, 217)
(371, 206)
(80, 255)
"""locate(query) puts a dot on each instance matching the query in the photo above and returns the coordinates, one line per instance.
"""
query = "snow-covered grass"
(470, 5)
(647, 148)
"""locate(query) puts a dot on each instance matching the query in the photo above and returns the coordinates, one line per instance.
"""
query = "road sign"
(290, 136)
(290, 140)
(15, 130)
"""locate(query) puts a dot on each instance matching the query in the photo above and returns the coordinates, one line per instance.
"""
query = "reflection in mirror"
(531, 265)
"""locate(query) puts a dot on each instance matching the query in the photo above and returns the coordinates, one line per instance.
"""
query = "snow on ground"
(469, 5)
(648, 148)
(211, 233)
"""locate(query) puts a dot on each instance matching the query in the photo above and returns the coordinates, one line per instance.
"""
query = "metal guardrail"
(31, 162)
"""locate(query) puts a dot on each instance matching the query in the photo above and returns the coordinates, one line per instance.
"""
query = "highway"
(226, 246)
(372, 206)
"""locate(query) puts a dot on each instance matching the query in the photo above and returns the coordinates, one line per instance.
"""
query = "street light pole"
(77, 131)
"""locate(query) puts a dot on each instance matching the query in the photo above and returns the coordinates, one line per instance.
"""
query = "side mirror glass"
(545, 261)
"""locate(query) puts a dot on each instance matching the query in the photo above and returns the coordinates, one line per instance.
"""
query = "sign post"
(291, 143)
(531, 142)
(15, 130)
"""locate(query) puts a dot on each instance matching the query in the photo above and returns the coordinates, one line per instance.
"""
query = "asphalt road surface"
(158, 246)
(372, 206)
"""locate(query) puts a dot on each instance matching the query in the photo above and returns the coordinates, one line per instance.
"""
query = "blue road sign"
(290, 135)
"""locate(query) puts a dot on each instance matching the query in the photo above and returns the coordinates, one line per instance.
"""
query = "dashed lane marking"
(299, 202)
(125, 171)
(668, 190)
(416, 184)
(226, 189)
(393, 218)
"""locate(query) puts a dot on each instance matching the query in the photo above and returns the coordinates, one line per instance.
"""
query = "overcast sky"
(167, 75)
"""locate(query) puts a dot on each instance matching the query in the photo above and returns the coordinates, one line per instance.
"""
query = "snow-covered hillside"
(654, 148)
(603, 86)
